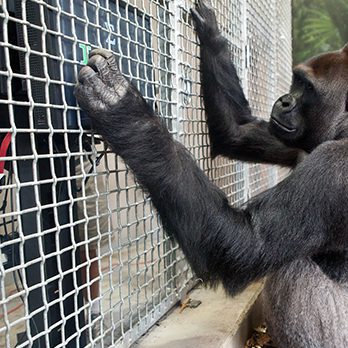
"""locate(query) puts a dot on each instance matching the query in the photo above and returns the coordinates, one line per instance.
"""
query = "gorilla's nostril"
(287, 103)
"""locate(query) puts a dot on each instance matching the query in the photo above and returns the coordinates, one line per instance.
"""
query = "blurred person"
(96, 243)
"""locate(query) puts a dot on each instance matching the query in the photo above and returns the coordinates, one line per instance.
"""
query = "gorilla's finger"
(105, 63)
(85, 74)
(100, 65)
(97, 62)
(82, 95)
(102, 52)
(92, 96)
(197, 19)
(203, 6)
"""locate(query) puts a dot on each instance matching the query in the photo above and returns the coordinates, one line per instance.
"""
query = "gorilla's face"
(316, 109)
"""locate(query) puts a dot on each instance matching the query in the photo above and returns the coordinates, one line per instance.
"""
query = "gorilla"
(296, 232)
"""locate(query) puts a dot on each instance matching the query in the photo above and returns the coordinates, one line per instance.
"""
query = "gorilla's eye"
(309, 86)
(300, 80)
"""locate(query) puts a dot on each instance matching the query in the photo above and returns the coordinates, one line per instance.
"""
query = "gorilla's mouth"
(282, 126)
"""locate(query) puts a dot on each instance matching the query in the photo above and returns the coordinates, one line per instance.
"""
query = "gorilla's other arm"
(233, 131)
(235, 246)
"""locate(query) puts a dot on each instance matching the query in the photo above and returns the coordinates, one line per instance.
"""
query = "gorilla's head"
(316, 109)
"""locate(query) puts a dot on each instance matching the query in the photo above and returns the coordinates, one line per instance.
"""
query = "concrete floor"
(219, 322)
(130, 289)
(125, 287)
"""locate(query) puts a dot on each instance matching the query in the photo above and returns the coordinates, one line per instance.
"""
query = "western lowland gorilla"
(296, 232)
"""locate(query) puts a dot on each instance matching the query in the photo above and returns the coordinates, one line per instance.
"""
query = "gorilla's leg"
(233, 131)
(306, 309)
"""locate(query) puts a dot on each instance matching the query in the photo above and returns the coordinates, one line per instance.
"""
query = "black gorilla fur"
(304, 218)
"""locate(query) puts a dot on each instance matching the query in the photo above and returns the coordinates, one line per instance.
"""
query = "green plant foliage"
(318, 26)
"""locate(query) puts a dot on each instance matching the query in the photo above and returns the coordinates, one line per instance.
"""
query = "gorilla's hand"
(205, 22)
(101, 85)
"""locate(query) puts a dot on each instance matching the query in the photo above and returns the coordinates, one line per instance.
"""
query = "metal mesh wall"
(231, 175)
(284, 56)
(84, 260)
(261, 77)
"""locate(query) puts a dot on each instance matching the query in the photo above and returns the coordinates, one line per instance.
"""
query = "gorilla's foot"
(101, 85)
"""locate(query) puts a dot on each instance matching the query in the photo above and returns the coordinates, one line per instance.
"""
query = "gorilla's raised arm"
(221, 243)
(233, 131)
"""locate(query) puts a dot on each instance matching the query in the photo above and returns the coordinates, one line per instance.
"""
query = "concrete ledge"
(220, 321)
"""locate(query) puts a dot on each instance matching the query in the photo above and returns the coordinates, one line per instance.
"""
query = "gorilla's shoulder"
(331, 151)
(328, 162)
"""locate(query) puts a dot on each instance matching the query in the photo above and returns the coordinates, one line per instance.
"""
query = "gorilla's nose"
(287, 103)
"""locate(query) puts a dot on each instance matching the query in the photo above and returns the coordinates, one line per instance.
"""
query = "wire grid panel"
(91, 251)
(284, 57)
(192, 129)
(230, 175)
(261, 56)
(84, 259)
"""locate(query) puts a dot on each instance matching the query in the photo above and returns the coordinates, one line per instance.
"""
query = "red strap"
(3, 150)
